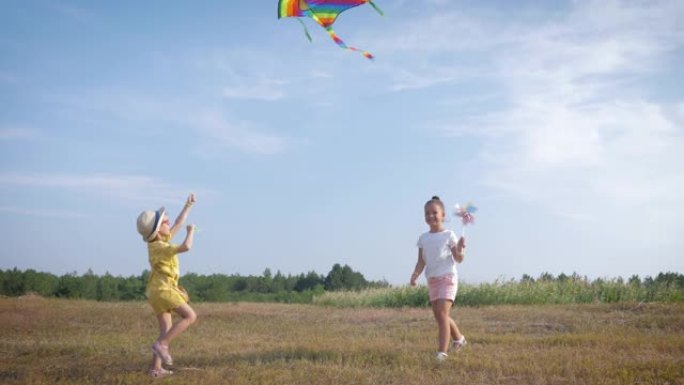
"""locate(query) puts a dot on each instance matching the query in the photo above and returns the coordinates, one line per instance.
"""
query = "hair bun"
(435, 198)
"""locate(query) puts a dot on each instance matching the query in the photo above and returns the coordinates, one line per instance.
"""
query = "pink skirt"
(444, 287)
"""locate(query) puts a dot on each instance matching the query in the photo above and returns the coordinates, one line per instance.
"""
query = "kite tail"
(306, 30)
(342, 44)
(376, 7)
(336, 38)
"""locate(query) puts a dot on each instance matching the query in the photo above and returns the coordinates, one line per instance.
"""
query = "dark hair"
(435, 200)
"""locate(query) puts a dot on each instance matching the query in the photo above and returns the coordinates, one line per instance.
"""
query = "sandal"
(162, 352)
(157, 373)
(459, 343)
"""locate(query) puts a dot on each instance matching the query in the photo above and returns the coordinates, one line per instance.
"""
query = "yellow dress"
(163, 292)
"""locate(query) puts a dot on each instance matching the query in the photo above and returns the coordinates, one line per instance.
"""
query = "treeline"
(545, 289)
(572, 289)
(267, 287)
(343, 286)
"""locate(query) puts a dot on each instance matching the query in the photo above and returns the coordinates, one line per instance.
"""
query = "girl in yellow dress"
(164, 293)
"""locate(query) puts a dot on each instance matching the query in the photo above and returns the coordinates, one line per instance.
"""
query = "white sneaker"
(441, 356)
(458, 344)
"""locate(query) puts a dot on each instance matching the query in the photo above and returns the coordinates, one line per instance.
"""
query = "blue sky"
(562, 121)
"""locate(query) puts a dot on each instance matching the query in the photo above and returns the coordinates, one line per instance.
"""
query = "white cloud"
(32, 212)
(7, 134)
(616, 151)
(264, 90)
(8, 78)
(427, 76)
(581, 135)
(579, 132)
(71, 11)
(444, 32)
(218, 133)
(121, 187)
(246, 75)
(209, 124)
(623, 35)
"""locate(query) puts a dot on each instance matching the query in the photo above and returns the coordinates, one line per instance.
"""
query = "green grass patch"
(573, 290)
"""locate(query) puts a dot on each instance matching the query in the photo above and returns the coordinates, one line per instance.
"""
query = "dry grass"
(50, 341)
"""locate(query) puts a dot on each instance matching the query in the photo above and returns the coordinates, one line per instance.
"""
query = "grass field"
(52, 341)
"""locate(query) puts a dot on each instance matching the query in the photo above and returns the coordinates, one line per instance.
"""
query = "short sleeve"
(419, 243)
(162, 250)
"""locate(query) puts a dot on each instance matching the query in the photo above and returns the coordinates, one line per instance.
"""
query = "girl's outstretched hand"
(191, 199)
(190, 228)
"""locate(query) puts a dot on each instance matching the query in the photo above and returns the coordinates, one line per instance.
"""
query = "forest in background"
(267, 287)
(343, 286)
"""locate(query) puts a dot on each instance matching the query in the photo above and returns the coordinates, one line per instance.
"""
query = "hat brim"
(159, 214)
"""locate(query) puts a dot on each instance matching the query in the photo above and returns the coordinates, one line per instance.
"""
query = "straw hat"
(149, 222)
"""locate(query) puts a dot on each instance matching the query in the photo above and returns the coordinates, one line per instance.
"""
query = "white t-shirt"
(437, 253)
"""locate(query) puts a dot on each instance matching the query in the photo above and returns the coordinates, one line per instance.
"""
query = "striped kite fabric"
(323, 12)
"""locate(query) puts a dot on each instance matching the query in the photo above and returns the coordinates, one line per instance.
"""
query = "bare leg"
(455, 333)
(441, 308)
(189, 317)
(164, 326)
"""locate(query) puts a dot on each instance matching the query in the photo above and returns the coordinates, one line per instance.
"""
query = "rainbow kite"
(324, 12)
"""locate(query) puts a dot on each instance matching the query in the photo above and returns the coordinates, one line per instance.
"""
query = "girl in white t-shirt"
(439, 250)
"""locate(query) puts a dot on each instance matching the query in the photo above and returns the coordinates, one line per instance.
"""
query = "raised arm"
(183, 215)
(420, 265)
(187, 243)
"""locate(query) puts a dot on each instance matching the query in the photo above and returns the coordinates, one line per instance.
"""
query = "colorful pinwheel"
(465, 212)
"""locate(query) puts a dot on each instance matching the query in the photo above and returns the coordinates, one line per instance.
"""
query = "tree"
(526, 279)
(44, 284)
(13, 283)
(333, 281)
(88, 286)
(309, 281)
(279, 283)
(131, 288)
(107, 288)
(69, 286)
(344, 278)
